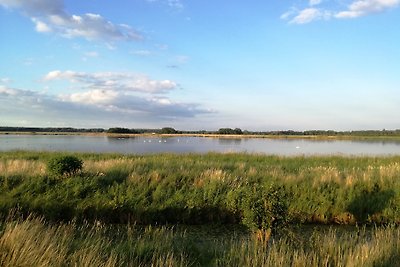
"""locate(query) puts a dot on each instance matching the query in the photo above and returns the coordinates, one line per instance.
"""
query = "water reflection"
(182, 144)
(116, 139)
(230, 141)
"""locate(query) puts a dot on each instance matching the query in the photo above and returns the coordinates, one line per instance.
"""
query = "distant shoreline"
(232, 136)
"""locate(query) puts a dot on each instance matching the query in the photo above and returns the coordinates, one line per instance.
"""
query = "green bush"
(265, 208)
(64, 165)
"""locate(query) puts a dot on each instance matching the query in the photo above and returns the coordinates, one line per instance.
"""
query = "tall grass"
(35, 242)
(376, 247)
(210, 188)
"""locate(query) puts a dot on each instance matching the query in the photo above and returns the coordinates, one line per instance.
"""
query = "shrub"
(265, 208)
(64, 165)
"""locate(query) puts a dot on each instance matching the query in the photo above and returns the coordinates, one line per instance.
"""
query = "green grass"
(210, 188)
(35, 242)
(132, 210)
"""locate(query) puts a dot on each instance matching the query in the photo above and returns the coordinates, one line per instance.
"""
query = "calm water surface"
(146, 144)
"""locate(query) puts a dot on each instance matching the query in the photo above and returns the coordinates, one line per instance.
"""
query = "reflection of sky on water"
(230, 141)
(155, 144)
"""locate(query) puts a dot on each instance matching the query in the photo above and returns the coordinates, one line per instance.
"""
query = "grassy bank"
(210, 188)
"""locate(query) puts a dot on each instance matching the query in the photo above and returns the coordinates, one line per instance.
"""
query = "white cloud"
(41, 26)
(288, 14)
(51, 16)
(113, 81)
(364, 7)
(93, 97)
(100, 105)
(308, 15)
(7, 91)
(356, 9)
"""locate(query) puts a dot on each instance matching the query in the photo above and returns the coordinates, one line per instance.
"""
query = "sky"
(201, 64)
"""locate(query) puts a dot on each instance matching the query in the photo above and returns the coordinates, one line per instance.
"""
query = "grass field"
(34, 242)
(127, 210)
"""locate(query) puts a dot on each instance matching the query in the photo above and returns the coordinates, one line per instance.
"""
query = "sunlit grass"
(328, 189)
(34, 242)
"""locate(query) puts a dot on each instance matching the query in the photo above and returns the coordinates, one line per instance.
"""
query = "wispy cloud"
(314, 10)
(50, 16)
(142, 53)
(113, 80)
(314, 2)
(364, 7)
(308, 15)
(175, 4)
(5, 80)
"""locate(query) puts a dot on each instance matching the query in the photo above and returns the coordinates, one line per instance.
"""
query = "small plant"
(64, 165)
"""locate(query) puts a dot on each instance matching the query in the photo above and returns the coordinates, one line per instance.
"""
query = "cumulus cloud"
(356, 9)
(95, 104)
(113, 81)
(93, 97)
(51, 16)
(364, 7)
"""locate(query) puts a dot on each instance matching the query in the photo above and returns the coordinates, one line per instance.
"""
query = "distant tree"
(168, 130)
(121, 130)
(230, 131)
(238, 131)
(225, 131)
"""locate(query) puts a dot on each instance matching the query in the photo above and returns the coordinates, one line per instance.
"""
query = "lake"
(185, 144)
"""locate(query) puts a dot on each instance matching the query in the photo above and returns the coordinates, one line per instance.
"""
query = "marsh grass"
(208, 188)
(117, 211)
(35, 242)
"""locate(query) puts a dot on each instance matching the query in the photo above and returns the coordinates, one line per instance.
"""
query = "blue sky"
(191, 64)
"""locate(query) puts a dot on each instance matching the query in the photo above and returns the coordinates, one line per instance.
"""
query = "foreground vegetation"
(34, 242)
(119, 210)
(255, 190)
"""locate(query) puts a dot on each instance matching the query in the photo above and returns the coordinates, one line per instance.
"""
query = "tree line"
(221, 131)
